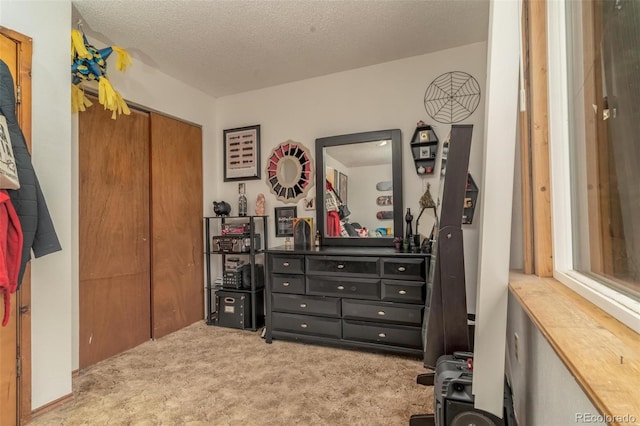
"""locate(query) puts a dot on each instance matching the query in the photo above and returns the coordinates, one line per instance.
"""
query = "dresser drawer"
(314, 305)
(340, 265)
(359, 288)
(302, 324)
(287, 283)
(397, 313)
(388, 334)
(287, 264)
(403, 268)
(403, 291)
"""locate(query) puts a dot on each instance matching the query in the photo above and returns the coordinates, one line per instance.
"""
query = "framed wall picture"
(330, 176)
(343, 179)
(284, 220)
(242, 153)
(309, 203)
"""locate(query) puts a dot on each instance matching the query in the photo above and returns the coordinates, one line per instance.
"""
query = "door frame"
(23, 296)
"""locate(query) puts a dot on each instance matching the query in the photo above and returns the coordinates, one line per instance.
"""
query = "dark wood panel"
(306, 305)
(176, 190)
(288, 283)
(385, 334)
(114, 233)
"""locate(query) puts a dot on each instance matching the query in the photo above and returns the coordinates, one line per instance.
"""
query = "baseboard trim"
(51, 405)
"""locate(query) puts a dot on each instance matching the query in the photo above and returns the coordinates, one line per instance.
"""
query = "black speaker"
(463, 414)
(453, 399)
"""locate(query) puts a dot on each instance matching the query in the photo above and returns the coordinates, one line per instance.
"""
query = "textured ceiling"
(224, 47)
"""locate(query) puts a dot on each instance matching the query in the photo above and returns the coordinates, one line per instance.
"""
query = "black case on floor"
(234, 308)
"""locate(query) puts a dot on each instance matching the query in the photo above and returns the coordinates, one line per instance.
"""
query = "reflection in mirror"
(361, 201)
(353, 171)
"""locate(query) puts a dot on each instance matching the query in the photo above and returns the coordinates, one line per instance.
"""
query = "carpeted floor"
(204, 375)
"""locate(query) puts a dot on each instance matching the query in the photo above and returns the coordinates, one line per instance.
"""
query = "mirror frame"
(297, 188)
(395, 135)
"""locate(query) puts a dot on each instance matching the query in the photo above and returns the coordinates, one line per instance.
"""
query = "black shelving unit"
(258, 243)
(424, 148)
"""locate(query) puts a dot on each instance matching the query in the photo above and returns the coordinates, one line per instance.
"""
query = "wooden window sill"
(600, 352)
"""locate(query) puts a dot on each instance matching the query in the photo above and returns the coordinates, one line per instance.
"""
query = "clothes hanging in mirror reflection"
(331, 207)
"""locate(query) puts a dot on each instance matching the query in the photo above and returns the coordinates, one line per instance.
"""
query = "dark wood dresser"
(355, 297)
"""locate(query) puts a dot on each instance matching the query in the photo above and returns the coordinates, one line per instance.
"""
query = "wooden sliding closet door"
(176, 219)
(114, 233)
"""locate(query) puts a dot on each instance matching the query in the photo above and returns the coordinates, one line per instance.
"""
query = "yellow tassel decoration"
(79, 102)
(111, 99)
(77, 46)
(124, 59)
(89, 64)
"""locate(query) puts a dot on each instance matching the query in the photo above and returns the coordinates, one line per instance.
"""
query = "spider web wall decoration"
(452, 97)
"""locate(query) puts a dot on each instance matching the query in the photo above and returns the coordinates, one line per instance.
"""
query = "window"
(594, 113)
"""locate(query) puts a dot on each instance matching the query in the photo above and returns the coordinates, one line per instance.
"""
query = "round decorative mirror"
(289, 171)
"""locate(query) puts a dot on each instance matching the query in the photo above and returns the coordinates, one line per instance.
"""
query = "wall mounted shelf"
(424, 148)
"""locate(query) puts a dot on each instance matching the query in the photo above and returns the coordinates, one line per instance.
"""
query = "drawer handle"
(382, 335)
(285, 284)
(303, 305)
(285, 263)
(400, 292)
(402, 268)
(303, 325)
(341, 266)
(381, 313)
(340, 287)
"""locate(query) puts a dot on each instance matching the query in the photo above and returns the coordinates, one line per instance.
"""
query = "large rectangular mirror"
(362, 171)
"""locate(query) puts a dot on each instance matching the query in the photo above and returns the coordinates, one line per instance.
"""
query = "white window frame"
(618, 305)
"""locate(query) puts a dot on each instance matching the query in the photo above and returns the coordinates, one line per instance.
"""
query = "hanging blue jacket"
(28, 201)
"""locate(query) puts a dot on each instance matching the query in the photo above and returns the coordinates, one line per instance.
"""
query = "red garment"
(10, 251)
(333, 224)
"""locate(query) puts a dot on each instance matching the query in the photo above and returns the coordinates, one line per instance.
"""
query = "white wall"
(362, 203)
(383, 96)
(48, 24)
(145, 86)
(544, 391)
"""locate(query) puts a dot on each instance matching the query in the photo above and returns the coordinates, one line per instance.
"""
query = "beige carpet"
(205, 375)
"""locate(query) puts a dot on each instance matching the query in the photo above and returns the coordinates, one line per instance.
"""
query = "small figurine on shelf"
(408, 218)
(260, 205)
(317, 240)
(397, 242)
(408, 240)
(242, 201)
(221, 208)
